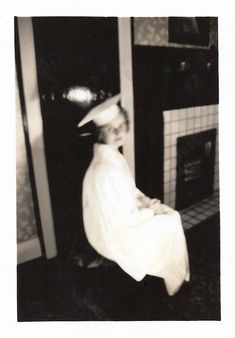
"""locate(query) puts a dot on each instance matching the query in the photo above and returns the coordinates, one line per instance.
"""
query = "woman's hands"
(154, 204)
(145, 202)
(161, 208)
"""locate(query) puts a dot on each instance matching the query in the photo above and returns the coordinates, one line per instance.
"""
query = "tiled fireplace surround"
(182, 122)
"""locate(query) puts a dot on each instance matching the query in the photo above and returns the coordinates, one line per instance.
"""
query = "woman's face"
(114, 132)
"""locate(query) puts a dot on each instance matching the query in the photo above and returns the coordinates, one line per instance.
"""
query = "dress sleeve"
(116, 199)
(145, 200)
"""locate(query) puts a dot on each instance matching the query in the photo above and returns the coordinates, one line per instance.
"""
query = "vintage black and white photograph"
(117, 165)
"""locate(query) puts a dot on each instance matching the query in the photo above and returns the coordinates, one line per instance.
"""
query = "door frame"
(35, 131)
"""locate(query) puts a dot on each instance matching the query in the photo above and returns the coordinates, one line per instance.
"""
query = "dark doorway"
(195, 167)
(71, 51)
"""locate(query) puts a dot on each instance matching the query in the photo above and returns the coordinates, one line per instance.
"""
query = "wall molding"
(126, 85)
(35, 130)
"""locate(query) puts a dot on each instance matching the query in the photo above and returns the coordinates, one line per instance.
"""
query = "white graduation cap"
(103, 113)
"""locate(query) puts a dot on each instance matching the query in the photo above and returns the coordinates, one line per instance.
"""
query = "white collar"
(107, 152)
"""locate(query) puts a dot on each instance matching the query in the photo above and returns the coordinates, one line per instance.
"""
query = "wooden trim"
(35, 129)
(126, 85)
(28, 250)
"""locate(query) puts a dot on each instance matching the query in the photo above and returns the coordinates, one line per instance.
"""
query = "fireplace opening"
(195, 167)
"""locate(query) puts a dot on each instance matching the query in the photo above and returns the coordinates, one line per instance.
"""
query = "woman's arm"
(144, 201)
(114, 198)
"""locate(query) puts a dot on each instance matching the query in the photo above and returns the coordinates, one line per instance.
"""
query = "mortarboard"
(103, 113)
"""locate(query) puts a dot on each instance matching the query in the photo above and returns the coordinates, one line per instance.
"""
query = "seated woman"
(140, 234)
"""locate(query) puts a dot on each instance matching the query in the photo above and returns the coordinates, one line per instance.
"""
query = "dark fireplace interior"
(195, 167)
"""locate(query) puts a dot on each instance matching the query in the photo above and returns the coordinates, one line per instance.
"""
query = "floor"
(60, 289)
(200, 211)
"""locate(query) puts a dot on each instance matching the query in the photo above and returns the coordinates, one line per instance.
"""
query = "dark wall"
(71, 51)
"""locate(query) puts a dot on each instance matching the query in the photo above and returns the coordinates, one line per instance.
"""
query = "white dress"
(137, 240)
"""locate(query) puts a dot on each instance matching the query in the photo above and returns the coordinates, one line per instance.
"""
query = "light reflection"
(80, 95)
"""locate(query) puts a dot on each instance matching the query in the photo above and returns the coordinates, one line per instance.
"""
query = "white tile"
(184, 216)
(173, 162)
(194, 221)
(182, 114)
(201, 217)
(204, 121)
(171, 204)
(197, 122)
(167, 187)
(180, 134)
(172, 196)
(192, 213)
(208, 212)
(167, 165)
(172, 186)
(167, 141)
(167, 128)
(215, 119)
(203, 128)
(175, 115)
(167, 153)
(173, 140)
(187, 225)
(173, 151)
(210, 120)
(166, 198)
(197, 111)
(178, 114)
(200, 209)
(174, 127)
(166, 115)
(172, 115)
(173, 174)
(190, 124)
(167, 176)
(182, 125)
(190, 113)
(201, 112)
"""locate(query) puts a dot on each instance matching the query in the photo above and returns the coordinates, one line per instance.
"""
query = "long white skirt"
(157, 247)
